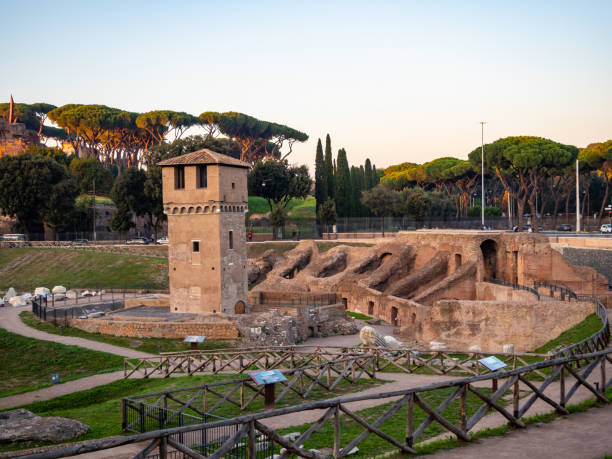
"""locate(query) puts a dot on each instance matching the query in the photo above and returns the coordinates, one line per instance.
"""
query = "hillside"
(28, 268)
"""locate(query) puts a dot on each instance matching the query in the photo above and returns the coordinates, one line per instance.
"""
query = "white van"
(607, 228)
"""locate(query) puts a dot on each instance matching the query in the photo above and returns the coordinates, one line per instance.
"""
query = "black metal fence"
(61, 315)
(513, 286)
(564, 292)
(142, 417)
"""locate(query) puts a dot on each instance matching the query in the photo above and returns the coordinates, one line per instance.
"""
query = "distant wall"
(486, 291)
(491, 324)
(142, 329)
(598, 259)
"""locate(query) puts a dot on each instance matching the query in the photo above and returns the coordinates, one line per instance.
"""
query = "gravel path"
(580, 435)
(9, 320)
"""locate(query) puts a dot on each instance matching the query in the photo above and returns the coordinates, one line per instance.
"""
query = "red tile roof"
(203, 156)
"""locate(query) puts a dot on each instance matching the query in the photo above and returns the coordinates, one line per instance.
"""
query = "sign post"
(268, 379)
(493, 364)
(194, 340)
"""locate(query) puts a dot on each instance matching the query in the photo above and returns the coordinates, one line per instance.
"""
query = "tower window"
(202, 178)
(231, 239)
(196, 246)
(233, 185)
(179, 177)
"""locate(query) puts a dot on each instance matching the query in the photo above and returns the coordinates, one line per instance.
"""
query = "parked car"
(163, 240)
(81, 242)
(564, 227)
(138, 241)
(606, 228)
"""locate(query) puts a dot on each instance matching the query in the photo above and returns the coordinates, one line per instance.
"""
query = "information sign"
(492, 363)
(267, 377)
(194, 339)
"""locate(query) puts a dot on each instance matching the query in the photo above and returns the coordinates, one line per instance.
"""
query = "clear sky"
(391, 80)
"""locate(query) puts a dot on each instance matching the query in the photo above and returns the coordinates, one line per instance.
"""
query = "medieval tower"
(205, 199)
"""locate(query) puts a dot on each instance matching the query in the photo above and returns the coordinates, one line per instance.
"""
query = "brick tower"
(205, 199)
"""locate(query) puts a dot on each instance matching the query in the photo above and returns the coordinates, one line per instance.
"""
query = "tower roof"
(204, 156)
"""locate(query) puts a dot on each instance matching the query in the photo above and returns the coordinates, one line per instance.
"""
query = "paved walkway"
(580, 435)
(9, 320)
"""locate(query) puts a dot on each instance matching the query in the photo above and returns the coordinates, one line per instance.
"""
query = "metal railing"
(565, 293)
(513, 286)
(62, 315)
(453, 413)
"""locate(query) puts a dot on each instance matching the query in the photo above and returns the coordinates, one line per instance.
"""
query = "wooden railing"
(165, 407)
(400, 405)
(457, 362)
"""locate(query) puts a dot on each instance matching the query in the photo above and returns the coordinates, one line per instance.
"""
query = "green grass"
(150, 345)
(303, 209)
(357, 315)
(28, 268)
(27, 363)
(100, 407)
(395, 426)
(88, 199)
(589, 326)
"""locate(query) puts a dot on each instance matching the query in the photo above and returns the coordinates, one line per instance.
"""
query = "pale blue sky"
(394, 81)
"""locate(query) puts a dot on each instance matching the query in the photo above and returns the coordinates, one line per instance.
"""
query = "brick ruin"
(432, 285)
(15, 138)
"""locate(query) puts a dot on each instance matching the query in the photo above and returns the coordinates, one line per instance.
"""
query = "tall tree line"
(340, 183)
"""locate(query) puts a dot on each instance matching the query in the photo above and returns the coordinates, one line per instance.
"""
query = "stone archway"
(240, 307)
(489, 257)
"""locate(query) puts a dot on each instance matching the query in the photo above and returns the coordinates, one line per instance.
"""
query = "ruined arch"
(489, 258)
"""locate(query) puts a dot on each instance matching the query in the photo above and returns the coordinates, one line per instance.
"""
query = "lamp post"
(577, 196)
(482, 195)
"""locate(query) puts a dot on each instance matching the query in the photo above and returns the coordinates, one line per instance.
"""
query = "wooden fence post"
(562, 386)
(410, 421)
(462, 409)
(252, 450)
(336, 432)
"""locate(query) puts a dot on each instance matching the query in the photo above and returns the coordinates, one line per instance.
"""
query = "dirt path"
(9, 320)
(13, 401)
(580, 435)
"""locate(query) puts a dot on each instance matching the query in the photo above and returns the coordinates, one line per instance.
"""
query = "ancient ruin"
(443, 288)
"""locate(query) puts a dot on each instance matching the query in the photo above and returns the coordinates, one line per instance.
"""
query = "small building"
(205, 198)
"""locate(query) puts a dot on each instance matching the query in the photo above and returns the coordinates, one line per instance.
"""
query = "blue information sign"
(267, 377)
(492, 363)
(195, 339)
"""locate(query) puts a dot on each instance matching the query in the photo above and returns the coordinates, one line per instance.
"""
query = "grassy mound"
(27, 363)
(28, 268)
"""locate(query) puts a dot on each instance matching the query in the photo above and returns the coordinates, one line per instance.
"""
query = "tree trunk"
(604, 202)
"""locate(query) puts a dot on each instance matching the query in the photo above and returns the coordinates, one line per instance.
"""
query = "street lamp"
(482, 194)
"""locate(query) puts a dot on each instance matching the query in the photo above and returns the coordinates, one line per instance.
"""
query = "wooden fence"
(403, 404)
(162, 409)
(454, 362)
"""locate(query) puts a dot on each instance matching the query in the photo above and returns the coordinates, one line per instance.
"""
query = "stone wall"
(150, 329)
(598, 259)
(486, 291)
(15, 138)
(491, 324)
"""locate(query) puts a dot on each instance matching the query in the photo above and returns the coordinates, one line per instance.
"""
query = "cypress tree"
(320, 176)
(329, 168)
(356, 187)
(375, 178)
(368, 174)
(343, 185)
